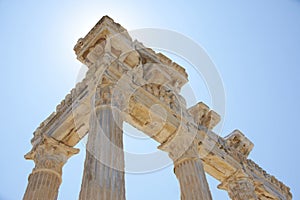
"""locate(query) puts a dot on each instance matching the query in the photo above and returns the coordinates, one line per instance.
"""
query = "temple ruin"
(123, 82)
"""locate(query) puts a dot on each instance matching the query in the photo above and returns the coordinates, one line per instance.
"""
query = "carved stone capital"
(239, 186)
(107, 93)
(181, 146)
(50, 155)
(103, 94)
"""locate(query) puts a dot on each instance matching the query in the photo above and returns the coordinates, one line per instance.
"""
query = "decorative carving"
(255, 168)
(50, 155)
(107, 93)
(104, 92)
(239, 186)
(167, 96)
(161, 68)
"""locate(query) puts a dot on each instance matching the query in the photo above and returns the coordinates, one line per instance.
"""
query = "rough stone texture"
(240, 142)
(49, 157)
(144, 78)
(203, 116)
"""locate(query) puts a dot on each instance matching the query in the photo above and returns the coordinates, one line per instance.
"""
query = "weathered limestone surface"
(49, 157)
(191, 176)
(146, 79)
(103, 176)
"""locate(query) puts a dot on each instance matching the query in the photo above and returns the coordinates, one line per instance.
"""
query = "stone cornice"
(104, 27)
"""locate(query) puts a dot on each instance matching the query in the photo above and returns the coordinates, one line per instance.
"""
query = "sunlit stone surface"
(127, 81)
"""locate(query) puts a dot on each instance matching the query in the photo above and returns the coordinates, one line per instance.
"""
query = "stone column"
(103, 176)
(239, 187)
(49, 156)
(188, 167)
(190, 174)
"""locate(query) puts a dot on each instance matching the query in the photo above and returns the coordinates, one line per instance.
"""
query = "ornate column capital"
(188, 167)
(50, 155)
(239, 186)
(181, 146)
(109, 94)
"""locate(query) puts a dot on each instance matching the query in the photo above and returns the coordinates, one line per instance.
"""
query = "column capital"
(182, 146)
(188, 167)
(239, 186)
(104, 92)
(238, 175)
(50, 155)
(108, 93)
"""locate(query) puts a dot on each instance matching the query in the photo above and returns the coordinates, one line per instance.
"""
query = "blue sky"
(255, 46)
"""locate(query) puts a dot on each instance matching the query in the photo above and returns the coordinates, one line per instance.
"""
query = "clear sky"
(255, 46)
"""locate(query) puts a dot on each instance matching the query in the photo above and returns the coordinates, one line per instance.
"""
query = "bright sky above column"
(255, 46)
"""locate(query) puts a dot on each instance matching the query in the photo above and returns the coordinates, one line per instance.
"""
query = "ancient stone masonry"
(128, 82)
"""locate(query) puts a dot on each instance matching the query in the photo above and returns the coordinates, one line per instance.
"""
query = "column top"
(182, 145)
(46, 142)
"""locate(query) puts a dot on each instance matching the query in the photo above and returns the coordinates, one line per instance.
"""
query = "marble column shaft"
(188, 167)
(191, 176)
(103, 176)
(49, 157)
